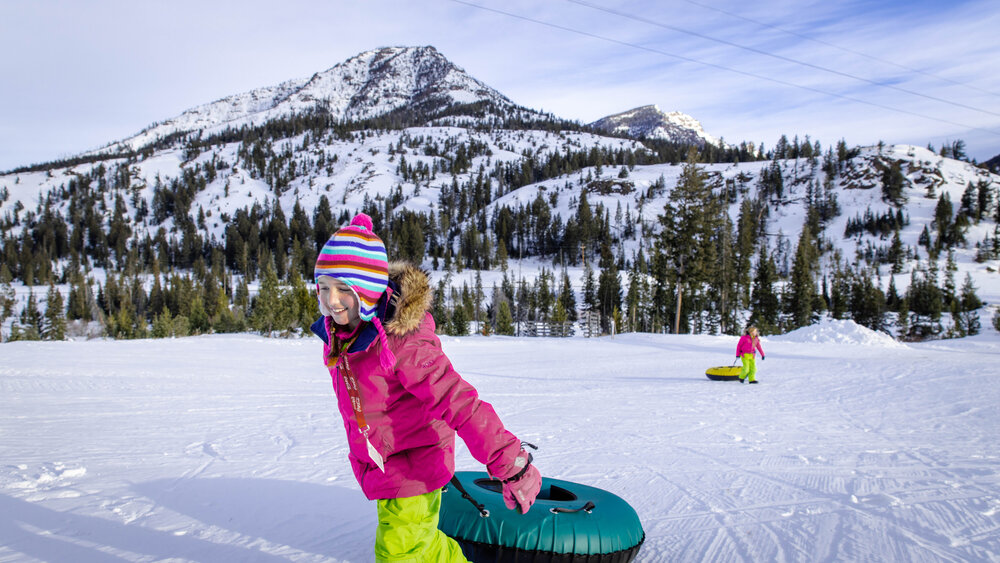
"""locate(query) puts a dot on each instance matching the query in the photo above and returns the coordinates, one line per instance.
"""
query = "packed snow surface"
(229, 448)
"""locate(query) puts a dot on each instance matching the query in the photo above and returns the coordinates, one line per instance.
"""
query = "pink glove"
(521, 483)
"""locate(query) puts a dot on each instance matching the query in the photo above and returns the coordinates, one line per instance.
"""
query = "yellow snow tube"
(723, 373)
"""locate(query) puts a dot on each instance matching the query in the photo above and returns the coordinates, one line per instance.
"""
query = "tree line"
(696, 270)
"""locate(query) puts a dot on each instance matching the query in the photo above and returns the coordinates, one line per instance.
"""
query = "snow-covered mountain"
(369, 85)
(651, 123)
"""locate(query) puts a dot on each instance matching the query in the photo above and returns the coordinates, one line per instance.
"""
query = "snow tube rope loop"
(465, 494)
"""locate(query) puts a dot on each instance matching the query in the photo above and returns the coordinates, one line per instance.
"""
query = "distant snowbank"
(839, 332)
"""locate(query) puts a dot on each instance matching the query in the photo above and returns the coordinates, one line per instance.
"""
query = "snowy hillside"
(187, 194)
(230, 448)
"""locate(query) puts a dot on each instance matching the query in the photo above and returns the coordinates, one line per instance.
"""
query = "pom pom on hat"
(356, 256)
(362, 220)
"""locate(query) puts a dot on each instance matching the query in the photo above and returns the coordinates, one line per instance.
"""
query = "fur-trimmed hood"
(412, 299)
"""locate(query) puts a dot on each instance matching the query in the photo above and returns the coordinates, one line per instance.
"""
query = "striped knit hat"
(356, 256)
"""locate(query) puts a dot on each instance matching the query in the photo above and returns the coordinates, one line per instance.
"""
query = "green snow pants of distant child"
(408, 532)
(749, 368)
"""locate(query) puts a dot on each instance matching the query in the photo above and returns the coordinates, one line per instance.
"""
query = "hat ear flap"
(322, 306)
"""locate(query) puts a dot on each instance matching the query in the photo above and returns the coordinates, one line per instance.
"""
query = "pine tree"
(31, 320)
(304, 308)
(119, 230)
(181, 326)
(958, 328)
(840, 293)
(198, 319)
(867, 302)
(323, 223)
(589, 289)
(163, 325)
(241, 298)
(969, 204)
(896, 255)
(892, 299)
(747, 225)
(501, 255)
(477, 299)
(949, 275)
(265, 314)
(632, 296)
(968, 306)
(690, 221)
(567, 299)
(926, 302)
(983, 193)
(943, 222)
(54, 327)
(228, 320)
(77, 308)
(459, 321)
(893, 183)
(559, 320)
(505, 321)
(609, 289)
(903, 319)
(802, 286)
(439, 305)
(764, 303)
(585, 222)
(8, 298)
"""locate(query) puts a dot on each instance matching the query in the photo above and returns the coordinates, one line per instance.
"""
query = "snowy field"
(229, 448)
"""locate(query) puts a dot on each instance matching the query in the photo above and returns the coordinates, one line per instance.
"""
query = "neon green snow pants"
(408, 532)
(749, 368)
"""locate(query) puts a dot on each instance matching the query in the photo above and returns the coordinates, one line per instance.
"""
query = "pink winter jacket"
(415, 409)
(747, 344)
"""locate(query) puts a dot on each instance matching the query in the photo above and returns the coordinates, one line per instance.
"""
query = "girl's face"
(338, 301)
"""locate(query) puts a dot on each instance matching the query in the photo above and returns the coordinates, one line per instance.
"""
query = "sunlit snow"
(229, 448)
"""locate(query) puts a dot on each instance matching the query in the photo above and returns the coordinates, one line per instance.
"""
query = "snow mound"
(839, 332)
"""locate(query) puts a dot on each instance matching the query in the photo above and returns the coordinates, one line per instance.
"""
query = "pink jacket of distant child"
(414, 409)
(747, 344)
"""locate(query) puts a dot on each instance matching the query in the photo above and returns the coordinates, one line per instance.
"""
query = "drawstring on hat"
(386, 357)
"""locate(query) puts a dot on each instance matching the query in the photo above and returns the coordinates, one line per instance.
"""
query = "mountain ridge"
(365, 86)
(378, 82)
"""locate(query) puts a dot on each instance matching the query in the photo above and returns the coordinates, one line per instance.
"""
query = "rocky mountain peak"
(652, 123)
(417, 80)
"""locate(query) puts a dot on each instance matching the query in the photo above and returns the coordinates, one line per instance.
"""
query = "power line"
(776, 56)
(721, 67)
(840, 48)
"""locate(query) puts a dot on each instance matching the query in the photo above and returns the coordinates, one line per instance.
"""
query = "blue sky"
(77, 75)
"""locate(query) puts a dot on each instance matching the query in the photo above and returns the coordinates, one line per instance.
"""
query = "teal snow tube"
(569, 523)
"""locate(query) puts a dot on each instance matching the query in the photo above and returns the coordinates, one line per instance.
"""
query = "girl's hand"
(521, 489)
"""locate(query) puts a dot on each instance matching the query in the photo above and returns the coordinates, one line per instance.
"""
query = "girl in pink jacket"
(746, 350)
(401, 400)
